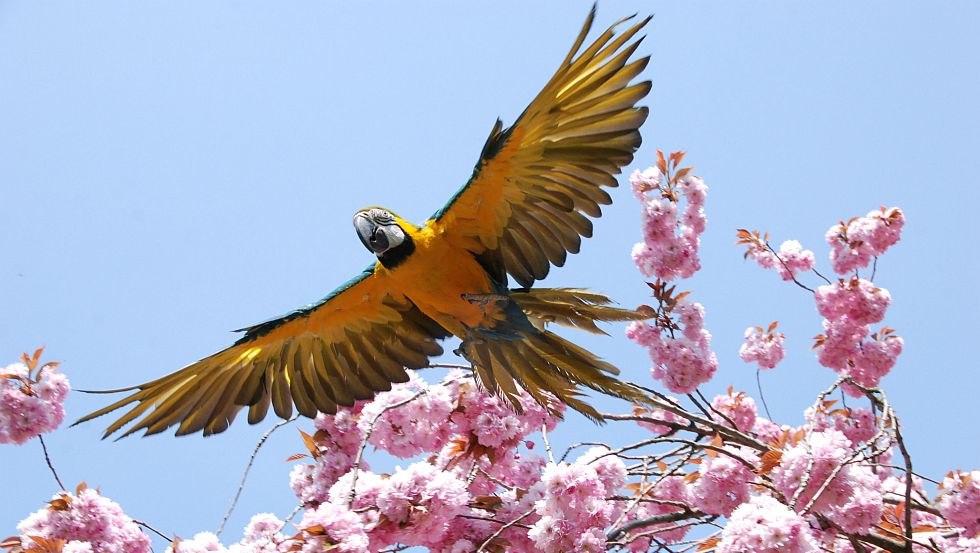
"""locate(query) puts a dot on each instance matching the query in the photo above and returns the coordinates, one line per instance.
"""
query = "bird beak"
(370, 234)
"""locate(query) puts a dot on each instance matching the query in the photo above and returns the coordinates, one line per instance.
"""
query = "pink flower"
(764, 525)
(858, 425)
(645, 181)
(738, 407)
(857, 300)
(31, 400)
(664, 497)
(670, 241)
(333, 527)
(791, 259)
(415, 427)
(86, 517)
(853, 244)
(684, 362)
(850, 494)
(960, 501)
(764, 347)
(724, 481)
(420, 501)
(338, 439)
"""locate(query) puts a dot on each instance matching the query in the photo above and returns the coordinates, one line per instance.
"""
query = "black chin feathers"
(394, 257)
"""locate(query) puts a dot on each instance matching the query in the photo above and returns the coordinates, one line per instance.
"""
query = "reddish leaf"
(708, 544)
(769, 461)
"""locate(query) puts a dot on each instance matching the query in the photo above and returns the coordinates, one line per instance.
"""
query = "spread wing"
(528, 202)
(352, 344)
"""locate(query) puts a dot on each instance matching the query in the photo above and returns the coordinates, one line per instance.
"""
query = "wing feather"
(352, 344)
(547, 170)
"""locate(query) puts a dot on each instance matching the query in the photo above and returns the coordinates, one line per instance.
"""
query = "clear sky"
(173, 170)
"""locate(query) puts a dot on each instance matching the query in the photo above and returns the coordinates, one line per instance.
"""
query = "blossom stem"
(47, 458)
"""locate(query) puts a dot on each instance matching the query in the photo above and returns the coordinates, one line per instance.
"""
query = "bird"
(526, 206)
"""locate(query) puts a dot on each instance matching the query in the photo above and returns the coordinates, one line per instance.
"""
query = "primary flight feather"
(526, 206)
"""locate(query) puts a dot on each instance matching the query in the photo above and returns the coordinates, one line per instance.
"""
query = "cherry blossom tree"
(709, 475)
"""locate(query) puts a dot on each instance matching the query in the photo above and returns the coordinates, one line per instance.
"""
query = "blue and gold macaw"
(526, 206)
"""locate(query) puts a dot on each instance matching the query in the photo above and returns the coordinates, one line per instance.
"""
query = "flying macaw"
(525, 208)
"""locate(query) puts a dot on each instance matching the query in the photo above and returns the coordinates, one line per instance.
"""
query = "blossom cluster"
(820, 474)
(849, 308)
(789, 261)
(855, 243)
(671, 236)
(960, 501)
(84, 522)
(681, 362)
(763, 346)
(32, 399)
(764, 525)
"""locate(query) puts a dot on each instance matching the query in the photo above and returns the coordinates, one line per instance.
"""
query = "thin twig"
(47, 458)
(788, 271)
(908, 483)
(825, 279)
(758, 382)
(154, 530)
(248, 467)
(486, 542)
(547, 444)
(676, 516)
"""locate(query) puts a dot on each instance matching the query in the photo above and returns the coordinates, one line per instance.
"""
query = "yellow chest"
(438, 278)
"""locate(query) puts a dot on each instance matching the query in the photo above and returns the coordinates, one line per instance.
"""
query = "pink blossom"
(202, 542)
(764, 347)
(31, 401)
(664, 497)
(645, 181)
(850, 494)
(737, 407)
(86, 517)
(875, 358)
(573, 506)
(683, 362)
(724, 480)
(764, 525)
(853, 244)
(420, 501)
(333, 527)
(768, 431)
(858, 425)
(960, 501)
(840, 343)
(491, 420)
(857, 300)
(338, 439)
(417, 426)
(790, 261)
(643, 334)
(671, 238)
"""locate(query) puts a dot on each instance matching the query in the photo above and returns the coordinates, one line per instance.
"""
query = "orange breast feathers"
(438, 276)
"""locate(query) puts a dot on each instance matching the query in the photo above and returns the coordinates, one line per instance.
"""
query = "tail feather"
(571, 307)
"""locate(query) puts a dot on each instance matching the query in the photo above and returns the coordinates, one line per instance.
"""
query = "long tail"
(544, 363)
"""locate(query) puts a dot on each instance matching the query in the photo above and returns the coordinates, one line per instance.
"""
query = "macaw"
(525, 207)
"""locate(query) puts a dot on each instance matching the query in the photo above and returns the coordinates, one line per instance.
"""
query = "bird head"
(380, 230)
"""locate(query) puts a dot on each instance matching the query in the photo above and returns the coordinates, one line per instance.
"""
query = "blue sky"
(173, 170)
